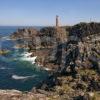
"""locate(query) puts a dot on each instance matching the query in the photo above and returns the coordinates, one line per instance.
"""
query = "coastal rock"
(85, 29)
(80, 51)
(24, 33)
(18, 95)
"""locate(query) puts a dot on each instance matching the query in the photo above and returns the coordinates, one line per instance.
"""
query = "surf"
(16, 77)
(27, 57)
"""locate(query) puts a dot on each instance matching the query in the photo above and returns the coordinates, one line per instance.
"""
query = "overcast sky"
(43, 12)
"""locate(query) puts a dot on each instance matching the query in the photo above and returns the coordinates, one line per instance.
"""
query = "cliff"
(84, 29)
(74, 64)
(81, 29)
(45, 44)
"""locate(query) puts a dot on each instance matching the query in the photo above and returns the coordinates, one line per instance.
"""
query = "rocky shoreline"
(74, 60)
(18, 95)
(86, 86)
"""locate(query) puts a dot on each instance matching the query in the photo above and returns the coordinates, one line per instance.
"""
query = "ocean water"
(16, 73)
(7, 30)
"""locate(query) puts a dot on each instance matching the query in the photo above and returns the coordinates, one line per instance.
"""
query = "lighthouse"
(57, 21)
(60, 31)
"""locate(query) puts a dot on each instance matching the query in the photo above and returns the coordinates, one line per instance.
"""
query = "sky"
(43, 12)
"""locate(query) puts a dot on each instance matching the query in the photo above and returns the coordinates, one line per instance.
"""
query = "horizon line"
(52, 24)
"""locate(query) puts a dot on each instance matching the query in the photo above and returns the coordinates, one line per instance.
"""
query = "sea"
(16, 73)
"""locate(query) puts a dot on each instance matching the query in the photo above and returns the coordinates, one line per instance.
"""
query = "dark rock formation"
(26, 33)
(85, 29)
(48, 31)
(78, 58)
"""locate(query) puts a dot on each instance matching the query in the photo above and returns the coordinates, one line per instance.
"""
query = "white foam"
(26, 54)
(5, 38)
(27, 57)
(16, 77)
(30, 59)
(3, 68)
(47, 69)
(44, 68)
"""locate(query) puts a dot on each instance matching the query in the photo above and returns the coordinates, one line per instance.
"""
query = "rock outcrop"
(18, 95)
(84, 29)
(74, 64)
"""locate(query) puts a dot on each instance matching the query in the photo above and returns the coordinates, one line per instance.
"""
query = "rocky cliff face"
(24, 33)
(75, 63)
(79, 35)
(46, 36)
(84, 29)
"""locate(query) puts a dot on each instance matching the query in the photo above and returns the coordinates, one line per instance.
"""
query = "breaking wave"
(27, 57)
(16, 77)
(4, 68)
